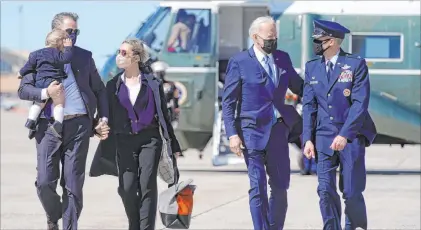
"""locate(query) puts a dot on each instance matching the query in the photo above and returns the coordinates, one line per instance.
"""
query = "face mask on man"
(269, 45)
(73, 36)
(318, 46)
(123, 62)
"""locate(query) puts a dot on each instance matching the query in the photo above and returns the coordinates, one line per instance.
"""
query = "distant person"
(170, 90)
(48, 65)
(181, 34)
(84, 94)
(337, 124)
(259, 124)
(137, 113)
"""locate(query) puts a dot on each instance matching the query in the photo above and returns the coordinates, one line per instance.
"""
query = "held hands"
(102, 130)
(67, 42)
(338, 143)
(236, 145)
(309, 150)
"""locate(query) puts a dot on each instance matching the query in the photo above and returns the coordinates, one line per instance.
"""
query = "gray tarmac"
(221, 199)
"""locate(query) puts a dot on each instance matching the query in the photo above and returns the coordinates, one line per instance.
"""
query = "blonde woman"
(137, 110)
(48, 64)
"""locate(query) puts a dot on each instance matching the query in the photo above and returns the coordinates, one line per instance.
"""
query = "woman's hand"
(102, 130)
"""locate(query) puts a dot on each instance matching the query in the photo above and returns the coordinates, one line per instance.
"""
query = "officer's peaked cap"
(328, 28)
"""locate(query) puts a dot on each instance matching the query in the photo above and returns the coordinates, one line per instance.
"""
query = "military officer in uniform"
(337, 126)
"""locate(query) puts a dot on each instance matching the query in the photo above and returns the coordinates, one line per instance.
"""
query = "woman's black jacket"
(104, 162)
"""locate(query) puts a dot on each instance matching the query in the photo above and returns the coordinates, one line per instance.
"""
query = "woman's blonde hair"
(138, 48)
(55, 38)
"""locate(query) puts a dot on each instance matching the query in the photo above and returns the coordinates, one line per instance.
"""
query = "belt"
(68, 117)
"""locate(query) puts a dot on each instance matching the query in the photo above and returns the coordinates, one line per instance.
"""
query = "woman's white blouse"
(133, 89)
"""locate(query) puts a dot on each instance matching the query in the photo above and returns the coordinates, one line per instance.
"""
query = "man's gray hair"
(138, 48)
(255, 25)
(58, 19)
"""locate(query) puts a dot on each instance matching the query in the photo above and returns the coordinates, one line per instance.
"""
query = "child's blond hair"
(55, 38)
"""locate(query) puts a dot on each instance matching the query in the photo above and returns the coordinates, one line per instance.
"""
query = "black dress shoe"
(30, 124)
(31, 134)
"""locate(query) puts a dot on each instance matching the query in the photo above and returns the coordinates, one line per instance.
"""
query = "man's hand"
(235, 145)
(309, 150)
(338, 143)
(56, 93)
(102, 130)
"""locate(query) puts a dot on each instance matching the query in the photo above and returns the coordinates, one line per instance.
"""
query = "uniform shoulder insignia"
(353, 56)
(315, 58)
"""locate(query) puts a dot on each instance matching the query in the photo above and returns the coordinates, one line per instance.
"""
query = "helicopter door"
(234, 23)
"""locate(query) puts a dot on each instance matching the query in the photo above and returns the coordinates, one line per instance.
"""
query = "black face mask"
(318, 46)
(269, 45)
(73, 37)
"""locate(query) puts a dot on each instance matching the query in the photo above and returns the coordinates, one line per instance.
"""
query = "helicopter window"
(191, 32)
(152, 31)
(155, 34)
(378, 47)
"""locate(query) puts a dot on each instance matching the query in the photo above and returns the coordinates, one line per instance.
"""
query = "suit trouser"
(269, 214)
(352, 182)
(71, 151)
(138, 159)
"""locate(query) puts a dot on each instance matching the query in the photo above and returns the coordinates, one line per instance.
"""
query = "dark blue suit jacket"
(338, 106)
(87, 78)
(249, 96)
(48, 64)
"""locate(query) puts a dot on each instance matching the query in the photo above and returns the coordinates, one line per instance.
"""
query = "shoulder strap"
(154, 84)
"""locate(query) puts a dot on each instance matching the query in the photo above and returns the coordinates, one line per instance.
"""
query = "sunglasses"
(122, 52)
(71, 31)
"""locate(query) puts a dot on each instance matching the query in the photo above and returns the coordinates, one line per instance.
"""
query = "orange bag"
(176, 205)
(185, 202)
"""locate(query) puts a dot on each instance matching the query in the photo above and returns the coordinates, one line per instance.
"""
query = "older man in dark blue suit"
(84, 93)
(259, 124)
(337, 125)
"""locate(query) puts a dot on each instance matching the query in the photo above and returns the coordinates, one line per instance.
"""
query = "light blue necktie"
(269, 69)
(272, 77)
(67, 68)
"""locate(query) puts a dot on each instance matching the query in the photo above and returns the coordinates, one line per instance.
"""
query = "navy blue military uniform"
(335, 102)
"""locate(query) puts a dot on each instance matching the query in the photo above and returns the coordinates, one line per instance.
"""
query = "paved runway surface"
(221, 199)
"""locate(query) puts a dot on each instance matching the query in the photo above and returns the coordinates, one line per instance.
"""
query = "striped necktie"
(329, 70)
(272, 77)
(269, 69)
